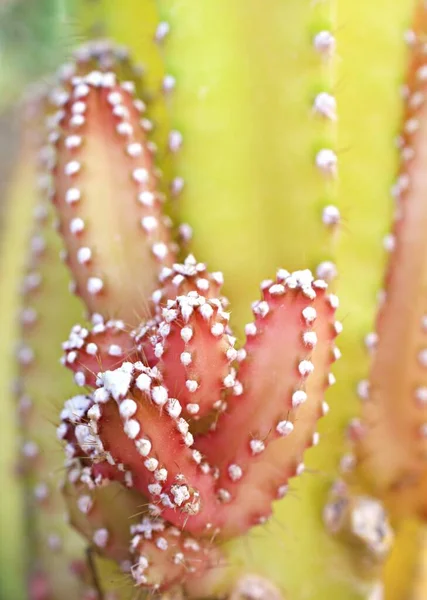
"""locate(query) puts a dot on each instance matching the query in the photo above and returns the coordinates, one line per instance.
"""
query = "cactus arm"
(54, 547)
(20, 199)
(285, 425)
(111, 161)
(206, 354)
(397, 376)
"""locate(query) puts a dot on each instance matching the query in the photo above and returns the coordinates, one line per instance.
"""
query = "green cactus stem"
(230, 100)
(20, 194)
(52, 552)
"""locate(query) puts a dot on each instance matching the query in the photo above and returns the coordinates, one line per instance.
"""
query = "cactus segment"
(46, 306)
(21, 197)
(392, 449)
(195, 353)
(258, 442)
(103, 155)
(133, 423)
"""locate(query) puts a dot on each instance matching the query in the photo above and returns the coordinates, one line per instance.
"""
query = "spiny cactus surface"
(190, 456)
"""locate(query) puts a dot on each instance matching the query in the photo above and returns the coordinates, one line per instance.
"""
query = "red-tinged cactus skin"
(103, 152)
(195, 353)
(134, 420)
(282, 380)
(392, 446)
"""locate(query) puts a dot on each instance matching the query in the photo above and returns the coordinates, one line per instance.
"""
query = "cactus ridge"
(390, 439)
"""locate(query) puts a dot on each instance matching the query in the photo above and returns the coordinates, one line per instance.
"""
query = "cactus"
(200, 452)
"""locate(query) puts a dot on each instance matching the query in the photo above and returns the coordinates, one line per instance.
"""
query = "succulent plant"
(200, 452)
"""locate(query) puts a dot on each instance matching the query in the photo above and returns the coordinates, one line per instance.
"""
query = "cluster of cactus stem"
(201, 436)
(190, 457)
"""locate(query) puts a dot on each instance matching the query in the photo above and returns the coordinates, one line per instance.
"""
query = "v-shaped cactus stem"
(262, 402)
(135, 422)
(393, 447)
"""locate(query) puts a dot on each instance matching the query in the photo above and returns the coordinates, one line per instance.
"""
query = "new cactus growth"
(195, 453)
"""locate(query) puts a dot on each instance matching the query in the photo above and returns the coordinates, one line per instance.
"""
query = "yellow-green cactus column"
(371, 70)
(21, 195)
(243, 83)
(53, 553)
(253, 98)
(256, 94)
